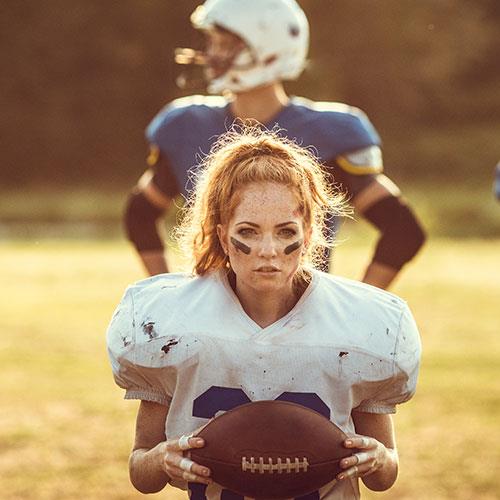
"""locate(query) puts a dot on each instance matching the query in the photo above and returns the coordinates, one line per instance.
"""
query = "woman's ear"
(307, 237)
(222, 234)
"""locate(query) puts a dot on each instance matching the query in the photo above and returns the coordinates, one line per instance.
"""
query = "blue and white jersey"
(187, 343)
(184, 131)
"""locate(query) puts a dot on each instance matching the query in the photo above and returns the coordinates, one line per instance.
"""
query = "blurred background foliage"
(82, 78)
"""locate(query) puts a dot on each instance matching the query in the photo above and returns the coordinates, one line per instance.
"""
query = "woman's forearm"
(384, 478)
(146, 471)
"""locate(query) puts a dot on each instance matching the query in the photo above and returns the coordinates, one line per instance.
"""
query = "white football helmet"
(276, 36)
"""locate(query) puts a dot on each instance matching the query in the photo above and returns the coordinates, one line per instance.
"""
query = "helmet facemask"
(224, 52)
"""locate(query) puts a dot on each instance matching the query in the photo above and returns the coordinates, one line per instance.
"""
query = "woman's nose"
(268, 247)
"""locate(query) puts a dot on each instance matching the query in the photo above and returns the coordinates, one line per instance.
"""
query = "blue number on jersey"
(218, 399)
(225, 398)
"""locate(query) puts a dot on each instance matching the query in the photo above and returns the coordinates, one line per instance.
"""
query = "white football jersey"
(186, 342)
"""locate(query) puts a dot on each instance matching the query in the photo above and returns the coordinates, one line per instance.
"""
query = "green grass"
(65, 431)
(460, 210)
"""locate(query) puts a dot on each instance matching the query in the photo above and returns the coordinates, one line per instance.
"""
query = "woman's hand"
(372, 456)
(176, 463)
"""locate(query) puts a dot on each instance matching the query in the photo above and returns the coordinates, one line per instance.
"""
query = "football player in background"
(256, 321)
(251, 47)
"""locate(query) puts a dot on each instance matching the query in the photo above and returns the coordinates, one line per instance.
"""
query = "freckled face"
(265, 237)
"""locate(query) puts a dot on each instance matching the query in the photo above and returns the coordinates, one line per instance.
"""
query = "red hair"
(245, 156)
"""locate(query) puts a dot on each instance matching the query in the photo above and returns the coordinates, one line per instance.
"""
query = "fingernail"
(206, 472)
(345, 463)
(348, 443)
(198, 441)
(341, 477)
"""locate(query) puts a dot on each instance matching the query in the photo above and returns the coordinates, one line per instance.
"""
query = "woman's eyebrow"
(246, 222)
(281, 224)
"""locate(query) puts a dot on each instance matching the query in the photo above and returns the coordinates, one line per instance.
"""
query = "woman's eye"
(246, 231)
(287, 232)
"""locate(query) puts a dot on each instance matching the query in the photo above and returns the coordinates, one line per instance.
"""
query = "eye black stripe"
(240, 246)
(291, 248)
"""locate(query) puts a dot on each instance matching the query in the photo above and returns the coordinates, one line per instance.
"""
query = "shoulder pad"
(332, 129)
(362, 162)
(184, 108)
(166, 280)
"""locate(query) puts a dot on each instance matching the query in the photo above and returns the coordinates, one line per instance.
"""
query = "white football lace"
(262, 466)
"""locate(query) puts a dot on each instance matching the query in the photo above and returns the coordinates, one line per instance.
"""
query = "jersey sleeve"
(163, 175)
(349, 184)
(364, 161)
(401, 386)
(353, 172)
(139, 382)
(169, 153)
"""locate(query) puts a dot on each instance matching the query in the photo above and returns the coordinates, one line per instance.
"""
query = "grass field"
(65, 431)
(465, 211)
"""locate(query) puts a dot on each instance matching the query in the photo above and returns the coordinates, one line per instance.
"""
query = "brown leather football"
(271, 449)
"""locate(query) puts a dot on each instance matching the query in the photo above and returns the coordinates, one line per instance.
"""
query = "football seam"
(238, 464)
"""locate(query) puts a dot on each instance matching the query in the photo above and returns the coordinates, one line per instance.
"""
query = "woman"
(257, 321)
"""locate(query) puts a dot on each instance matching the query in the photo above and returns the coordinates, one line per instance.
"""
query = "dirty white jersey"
(187, 343)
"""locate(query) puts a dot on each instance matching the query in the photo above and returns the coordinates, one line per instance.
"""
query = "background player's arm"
(401, 234)
(146, 205)
(379, 201)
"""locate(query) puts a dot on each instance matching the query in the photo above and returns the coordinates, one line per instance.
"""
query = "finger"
(362, 442)
(185, 443)
(179, 474)
(351, 472)
(186, 464)
(362, 457)
(179, 467)
(194, 478)
(356, 459)
(374, 468)
(180, 464)
(355, 471)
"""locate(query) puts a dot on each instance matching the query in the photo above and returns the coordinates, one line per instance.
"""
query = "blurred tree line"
(82, 78)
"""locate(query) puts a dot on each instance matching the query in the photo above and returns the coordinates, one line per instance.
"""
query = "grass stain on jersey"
(149, 329)
(168, 345)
